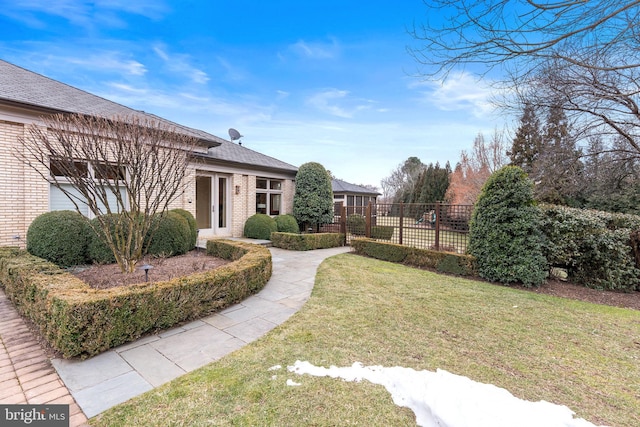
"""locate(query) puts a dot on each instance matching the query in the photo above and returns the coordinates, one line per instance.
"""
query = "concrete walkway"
(117, 375)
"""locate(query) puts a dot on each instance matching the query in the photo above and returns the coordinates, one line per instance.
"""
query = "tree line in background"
(570, 68)
(597, 174)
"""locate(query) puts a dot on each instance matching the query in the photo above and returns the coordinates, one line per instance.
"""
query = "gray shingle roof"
(23, 87)
(235, 153)
(339, 186)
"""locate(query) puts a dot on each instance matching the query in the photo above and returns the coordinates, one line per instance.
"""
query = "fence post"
(367, 223)
(437, 225)
(343, 221)
(401, 221)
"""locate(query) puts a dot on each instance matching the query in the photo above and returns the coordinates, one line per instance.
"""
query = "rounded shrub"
(193, 226)
(287, 224)
(504, 232)
(99, 252)
(260, 226)
(172, 235)
(356, 224)
(61, 237)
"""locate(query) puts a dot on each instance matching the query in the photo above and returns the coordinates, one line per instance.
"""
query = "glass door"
(212, 204)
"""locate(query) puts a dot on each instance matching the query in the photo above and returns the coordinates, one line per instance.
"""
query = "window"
(61, 168)
(268, 196)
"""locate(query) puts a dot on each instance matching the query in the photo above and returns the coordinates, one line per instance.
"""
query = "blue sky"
(326, 81)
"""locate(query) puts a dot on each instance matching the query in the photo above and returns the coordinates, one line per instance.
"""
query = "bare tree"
(475, 167)
(583, 54)
(123, 169)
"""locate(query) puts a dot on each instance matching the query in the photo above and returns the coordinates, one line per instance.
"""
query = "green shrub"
(99, 251)
(305, 242)
(172, 235)
(593, 246)
(260, 226)
(287, 224)
(504, 232)
(356, 224)
(193, 226)
(313, 197)
(61, 237)
(383, 232)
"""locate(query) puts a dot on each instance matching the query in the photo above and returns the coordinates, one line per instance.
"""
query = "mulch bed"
(109, 275)
(573, 291)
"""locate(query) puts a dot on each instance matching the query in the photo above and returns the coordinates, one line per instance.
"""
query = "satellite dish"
(234, 134)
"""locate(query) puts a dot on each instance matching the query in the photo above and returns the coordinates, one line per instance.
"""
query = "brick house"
(227, 182)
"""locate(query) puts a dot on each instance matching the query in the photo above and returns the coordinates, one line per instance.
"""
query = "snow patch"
(443, 399)
(292, 383)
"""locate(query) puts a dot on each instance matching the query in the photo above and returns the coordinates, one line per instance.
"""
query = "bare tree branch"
(123, 169)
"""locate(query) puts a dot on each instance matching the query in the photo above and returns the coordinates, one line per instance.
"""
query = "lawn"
(536, 346)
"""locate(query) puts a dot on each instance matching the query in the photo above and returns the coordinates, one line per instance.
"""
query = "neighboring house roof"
(339, 186)
(24, 88)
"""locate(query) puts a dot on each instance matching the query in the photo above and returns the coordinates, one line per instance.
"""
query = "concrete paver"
(91, 386)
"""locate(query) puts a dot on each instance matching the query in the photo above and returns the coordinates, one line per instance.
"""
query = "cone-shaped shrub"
(504, 232)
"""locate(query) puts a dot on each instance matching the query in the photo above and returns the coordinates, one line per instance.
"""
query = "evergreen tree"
(313, 198)
(557, 168)
(504, 233)
(527, 143)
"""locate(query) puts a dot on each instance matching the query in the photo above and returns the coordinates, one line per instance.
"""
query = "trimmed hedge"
(445, 262)
(80, 321)
(593, 246)
(305, 242)
(61, 237)
(260, 226)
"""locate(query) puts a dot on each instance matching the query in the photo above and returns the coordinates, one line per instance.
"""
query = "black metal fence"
(438, 226)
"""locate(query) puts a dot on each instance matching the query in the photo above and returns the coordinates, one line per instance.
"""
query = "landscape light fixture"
(146, 269)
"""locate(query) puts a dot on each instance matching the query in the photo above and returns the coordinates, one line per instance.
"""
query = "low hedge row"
(445, 262)
(80, 321)
(305, 242)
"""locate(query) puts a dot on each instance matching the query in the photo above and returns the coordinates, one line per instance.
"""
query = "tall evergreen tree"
(527, 143)
(557, 169)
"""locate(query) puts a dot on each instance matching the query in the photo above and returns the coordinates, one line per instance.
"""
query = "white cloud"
(316, 50)
(179, 63)
(103, 61)
(82, 14)
(327, 102)
(458, 92)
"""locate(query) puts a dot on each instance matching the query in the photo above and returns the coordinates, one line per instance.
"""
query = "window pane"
(274, 204)
(261, 184)
(261, 203)
(58, 201)
(358, 200)
(349, 200)
(61, 167)
(275, 185)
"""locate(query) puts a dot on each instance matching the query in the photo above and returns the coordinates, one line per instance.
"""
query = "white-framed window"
(58, 200)
(268, 196)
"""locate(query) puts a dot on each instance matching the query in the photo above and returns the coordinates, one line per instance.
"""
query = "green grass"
(567, 352)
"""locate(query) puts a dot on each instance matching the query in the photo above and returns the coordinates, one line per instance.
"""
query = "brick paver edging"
(26, 373)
